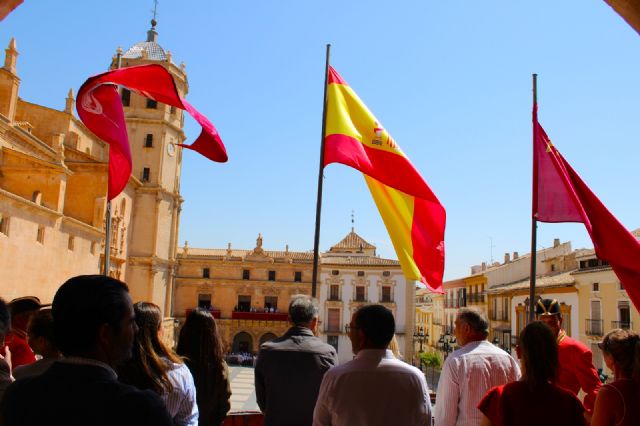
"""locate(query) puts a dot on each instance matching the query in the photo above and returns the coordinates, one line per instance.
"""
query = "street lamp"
(446, 343)
(420, 336)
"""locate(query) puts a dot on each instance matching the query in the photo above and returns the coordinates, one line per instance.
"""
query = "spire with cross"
(155, 10)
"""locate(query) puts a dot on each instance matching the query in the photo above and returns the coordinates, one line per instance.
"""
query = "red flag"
(100, 109)
(7, 6)
(560, 195)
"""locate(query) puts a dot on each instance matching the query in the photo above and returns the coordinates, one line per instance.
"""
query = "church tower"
(155, 130)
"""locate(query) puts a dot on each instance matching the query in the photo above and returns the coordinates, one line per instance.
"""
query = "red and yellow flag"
(414, 217)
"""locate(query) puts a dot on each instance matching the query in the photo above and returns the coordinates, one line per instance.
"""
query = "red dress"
(576, 370)
(516, 404)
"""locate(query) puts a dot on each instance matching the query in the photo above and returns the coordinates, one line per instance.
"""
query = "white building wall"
(373, 294)
(518, 270)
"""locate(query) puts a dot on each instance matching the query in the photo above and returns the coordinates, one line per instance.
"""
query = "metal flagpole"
(316, 240)
(534, 222)
(107, 225)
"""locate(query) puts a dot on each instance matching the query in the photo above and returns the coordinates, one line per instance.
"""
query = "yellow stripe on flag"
(396, 209)
(348, 115)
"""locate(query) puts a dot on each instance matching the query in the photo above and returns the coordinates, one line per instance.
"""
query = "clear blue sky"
(451, 81)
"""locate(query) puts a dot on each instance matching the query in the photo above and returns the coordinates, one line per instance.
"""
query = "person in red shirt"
(21, 309)
(576, 370)
(534, 399)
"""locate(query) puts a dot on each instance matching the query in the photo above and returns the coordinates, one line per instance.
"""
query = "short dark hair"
(41, 325)
(5, 319)
(302, 309)
(377, 324)
(539, 354)
(81, 306)
(476, 320)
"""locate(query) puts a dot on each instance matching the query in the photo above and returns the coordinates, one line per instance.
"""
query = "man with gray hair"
(289, 369)
(470, 371)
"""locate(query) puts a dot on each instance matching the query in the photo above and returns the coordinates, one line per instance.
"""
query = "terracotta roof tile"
(358, 261)
(353, 241)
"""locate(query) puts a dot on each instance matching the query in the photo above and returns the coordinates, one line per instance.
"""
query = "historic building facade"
(247, 290)
(53, 185)
(428, 321)
(353, 275)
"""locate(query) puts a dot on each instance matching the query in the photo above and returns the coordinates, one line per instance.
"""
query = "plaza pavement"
(243, 393)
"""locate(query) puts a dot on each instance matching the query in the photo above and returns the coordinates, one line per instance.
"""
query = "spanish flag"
(414, 217)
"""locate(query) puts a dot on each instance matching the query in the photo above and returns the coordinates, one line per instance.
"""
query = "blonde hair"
(393, 346)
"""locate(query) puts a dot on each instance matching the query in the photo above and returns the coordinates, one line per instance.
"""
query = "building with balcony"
(604, 303)
(507, 289)
(353, 275)
(248, 291)
(429, 315)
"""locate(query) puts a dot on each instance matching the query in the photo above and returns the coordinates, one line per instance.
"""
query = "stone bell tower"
(155, 130)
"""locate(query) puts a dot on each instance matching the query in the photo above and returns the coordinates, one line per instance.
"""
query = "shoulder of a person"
(574, 345)
(339, 370)
(608, 392)
(137, 403)
(505, 388)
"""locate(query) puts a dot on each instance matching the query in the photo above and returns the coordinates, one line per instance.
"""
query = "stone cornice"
(30, 204)
(150, 261)
(155, 121)
(156, 189)
(77, 224)
(19, 134)
(53, 167)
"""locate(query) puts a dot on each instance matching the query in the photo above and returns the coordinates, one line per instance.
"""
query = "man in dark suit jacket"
(94, 327)
(289, 369)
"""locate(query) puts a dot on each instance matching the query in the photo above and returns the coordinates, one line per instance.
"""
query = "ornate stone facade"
(53, 185)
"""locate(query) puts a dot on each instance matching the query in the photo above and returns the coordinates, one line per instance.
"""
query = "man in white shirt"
(470, 371)
(374, 388)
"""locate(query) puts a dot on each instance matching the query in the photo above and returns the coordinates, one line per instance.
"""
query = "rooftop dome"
(149, 49)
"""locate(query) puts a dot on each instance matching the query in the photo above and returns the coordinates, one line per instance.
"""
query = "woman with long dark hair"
(618, 403)
(155, 367)
(534, 399)
(200, 344)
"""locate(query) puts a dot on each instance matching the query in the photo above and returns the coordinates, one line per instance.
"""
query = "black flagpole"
(107, 215)
(534, 222)
(316, 240)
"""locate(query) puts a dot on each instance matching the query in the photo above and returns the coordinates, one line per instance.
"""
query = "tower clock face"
(171, 149)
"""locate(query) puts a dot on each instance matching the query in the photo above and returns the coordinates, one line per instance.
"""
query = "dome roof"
(149, 49)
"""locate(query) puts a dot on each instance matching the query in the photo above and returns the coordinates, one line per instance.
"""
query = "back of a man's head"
(81, 306)
(477, 321)
(377, 323)
(302, 309)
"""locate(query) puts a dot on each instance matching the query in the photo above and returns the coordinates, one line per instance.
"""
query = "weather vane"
(155, 10)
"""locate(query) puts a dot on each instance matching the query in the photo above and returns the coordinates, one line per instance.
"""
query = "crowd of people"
(101, 360)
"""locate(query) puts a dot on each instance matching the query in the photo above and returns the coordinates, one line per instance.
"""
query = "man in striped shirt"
(470, 371)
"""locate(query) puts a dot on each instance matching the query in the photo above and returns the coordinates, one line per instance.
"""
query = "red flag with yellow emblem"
(560, 195)
(412, 214)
